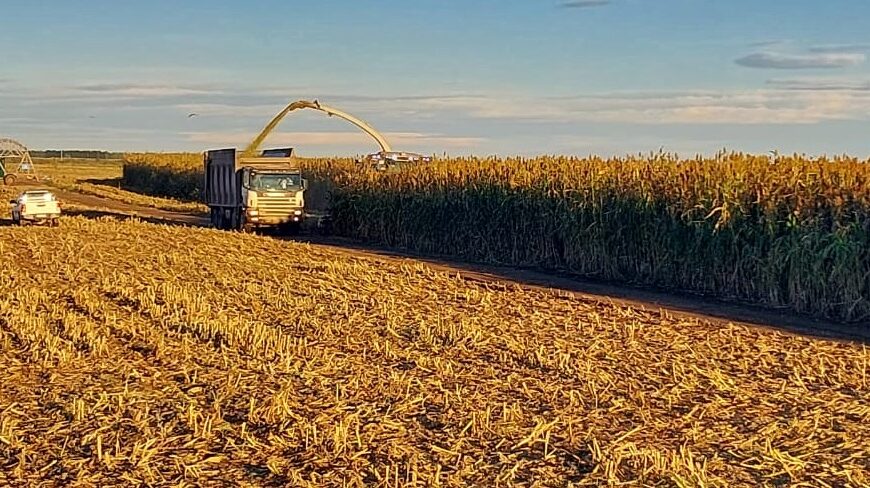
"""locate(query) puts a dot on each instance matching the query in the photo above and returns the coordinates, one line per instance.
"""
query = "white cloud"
(691, 107)
(821, 84)
(819, 60)
(145, 90)
(787, 102)
(399, 140)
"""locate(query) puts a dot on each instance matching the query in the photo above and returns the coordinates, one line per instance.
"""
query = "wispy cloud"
(739, 107)
(333, 139)
(585, 3)
(146, 90)
(821, 84)
(821, 60)
(839, 48)
(769, 43)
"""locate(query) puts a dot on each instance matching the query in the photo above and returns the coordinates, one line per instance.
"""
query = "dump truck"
(249, 193)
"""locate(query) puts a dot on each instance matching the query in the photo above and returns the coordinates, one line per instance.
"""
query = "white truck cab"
(35, 206)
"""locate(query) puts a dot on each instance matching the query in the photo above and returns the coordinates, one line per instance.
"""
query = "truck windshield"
(275, 181)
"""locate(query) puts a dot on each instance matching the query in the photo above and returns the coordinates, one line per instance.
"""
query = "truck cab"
(272, 197)
(248, 193)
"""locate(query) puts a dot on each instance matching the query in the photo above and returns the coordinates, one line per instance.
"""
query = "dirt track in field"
(675, 303)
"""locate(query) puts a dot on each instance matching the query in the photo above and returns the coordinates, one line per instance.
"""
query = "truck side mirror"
(304, 184)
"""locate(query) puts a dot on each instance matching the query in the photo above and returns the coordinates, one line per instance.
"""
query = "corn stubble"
(237, 359)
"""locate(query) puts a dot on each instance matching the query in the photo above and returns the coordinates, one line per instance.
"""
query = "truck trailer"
(248, 193)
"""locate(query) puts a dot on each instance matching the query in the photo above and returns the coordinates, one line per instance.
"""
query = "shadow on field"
(99, 214)
(675, 303)
(110, 182)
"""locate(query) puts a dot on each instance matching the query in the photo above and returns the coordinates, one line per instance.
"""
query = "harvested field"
(144, 354)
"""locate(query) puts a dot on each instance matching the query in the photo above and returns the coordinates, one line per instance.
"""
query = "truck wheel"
(9, 180)
(238, 220)
(213, 218)
(245, 226)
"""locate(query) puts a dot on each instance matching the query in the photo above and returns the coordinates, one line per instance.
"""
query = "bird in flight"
(192, 115)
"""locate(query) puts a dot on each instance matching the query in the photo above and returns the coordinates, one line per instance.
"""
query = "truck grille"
(277, 206)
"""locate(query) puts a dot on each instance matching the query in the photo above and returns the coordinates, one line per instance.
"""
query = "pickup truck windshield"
(275, 181)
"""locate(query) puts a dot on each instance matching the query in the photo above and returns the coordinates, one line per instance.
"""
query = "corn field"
(172, 175)
(240, 360)
(794, 233)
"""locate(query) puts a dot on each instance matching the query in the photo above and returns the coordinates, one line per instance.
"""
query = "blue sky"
(463, 77)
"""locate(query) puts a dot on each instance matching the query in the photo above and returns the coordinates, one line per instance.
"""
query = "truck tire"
(213, 217)
(221, 219)
(9, 180)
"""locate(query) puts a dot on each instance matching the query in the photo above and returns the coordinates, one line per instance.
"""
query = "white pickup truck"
(35, 206)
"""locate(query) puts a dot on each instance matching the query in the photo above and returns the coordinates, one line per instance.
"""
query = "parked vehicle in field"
(35, 207)
(247, 193)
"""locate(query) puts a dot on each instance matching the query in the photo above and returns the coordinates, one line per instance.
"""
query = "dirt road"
(677, 304)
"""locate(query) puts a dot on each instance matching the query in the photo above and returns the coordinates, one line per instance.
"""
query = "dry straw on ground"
(139, 354)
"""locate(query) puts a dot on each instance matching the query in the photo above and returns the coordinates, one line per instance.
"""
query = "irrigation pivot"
(12, 153)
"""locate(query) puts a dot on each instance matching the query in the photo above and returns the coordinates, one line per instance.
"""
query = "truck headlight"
(297, 212)
(253, 212)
